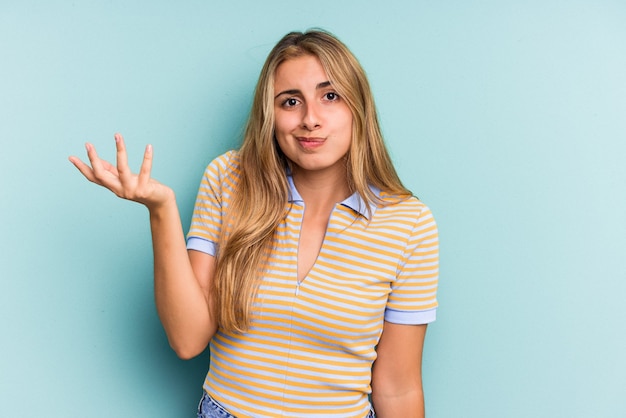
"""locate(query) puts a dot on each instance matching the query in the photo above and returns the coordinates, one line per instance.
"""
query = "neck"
(321, 189)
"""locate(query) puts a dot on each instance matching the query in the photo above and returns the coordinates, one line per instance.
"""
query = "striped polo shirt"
(311, 345)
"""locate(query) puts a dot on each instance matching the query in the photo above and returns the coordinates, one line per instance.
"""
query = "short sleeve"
(213, 194)
(413, 297)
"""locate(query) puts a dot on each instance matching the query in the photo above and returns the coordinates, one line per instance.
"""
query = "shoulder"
(409, 208)
(229, 161)
(225, 166)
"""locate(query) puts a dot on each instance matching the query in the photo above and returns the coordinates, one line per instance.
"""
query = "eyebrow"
(321, 85)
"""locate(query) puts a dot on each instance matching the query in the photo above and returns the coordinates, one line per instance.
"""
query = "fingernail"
(149, 148)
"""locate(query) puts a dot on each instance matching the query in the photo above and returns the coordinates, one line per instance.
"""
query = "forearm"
(182, 304)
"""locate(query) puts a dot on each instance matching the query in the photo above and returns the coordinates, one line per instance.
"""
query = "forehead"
(301, 72)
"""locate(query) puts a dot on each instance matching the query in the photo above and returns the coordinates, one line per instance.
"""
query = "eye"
(331, 96)
(291, 102)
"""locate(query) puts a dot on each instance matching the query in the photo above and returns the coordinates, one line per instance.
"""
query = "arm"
(181, 280)
(397, 372)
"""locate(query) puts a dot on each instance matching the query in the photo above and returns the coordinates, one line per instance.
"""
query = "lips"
(310, 142)
(309, 139)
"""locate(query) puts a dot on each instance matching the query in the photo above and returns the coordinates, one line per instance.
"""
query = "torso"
(311, 238)
(316, 340)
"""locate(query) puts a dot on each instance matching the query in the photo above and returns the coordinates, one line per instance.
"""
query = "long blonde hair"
(260, 201)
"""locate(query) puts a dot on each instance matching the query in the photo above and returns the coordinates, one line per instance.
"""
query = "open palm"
(119, 178)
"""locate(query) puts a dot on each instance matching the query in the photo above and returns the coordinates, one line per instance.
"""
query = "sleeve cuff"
(202, 245)
(410, 317)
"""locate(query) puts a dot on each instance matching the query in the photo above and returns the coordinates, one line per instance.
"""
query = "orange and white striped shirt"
(311, 345)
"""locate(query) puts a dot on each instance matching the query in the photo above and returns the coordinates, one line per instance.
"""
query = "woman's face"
(313, 123)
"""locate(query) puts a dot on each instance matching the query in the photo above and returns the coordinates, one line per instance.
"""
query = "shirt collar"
(354, 202)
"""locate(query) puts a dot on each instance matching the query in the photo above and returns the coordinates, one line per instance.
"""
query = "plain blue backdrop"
(508, 118)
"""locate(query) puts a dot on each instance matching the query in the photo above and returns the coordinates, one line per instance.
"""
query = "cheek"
(281, 132)
(285, 123)
(346, 116)
(348, 123)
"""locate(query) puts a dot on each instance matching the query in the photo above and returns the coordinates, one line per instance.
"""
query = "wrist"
(165, 203)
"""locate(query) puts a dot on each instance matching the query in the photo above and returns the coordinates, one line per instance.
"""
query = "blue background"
(507, 118)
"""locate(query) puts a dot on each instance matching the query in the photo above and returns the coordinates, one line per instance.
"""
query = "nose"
(310, 117)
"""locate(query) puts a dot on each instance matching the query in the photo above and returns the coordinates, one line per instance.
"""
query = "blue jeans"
(209, 408)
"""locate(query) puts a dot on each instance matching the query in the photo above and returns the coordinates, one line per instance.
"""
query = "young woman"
(309, 270)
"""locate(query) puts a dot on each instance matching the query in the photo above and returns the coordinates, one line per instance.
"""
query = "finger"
(122, 158)
(83, 168)
(110, 168)
(94, 160)
(101, 174)
(146, 167)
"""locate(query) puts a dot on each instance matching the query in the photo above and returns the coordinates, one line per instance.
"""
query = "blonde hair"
(260, 201)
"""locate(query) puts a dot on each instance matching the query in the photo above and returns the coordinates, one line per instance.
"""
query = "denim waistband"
(210, 408)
